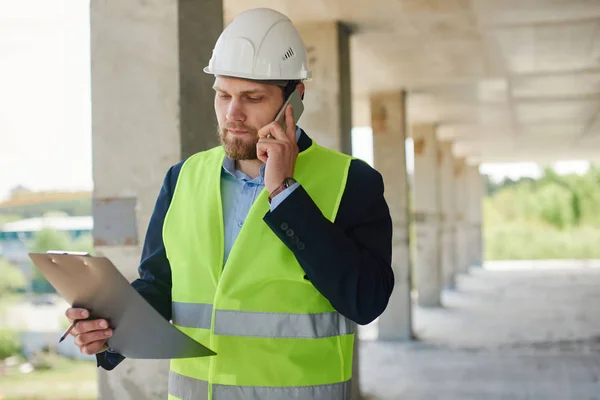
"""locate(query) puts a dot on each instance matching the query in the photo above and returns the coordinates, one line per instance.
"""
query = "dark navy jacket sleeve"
(154, 282)
(349, 260)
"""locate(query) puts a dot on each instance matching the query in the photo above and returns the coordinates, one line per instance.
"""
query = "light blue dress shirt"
(238, 193)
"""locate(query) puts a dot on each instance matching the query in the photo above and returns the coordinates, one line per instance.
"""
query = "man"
(266, 249)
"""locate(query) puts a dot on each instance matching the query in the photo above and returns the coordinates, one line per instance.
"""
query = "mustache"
(238, 127)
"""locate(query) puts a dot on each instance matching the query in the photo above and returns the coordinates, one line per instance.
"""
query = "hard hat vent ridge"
(288, 54)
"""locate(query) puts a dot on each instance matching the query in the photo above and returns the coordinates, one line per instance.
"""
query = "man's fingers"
(77, 313)
(86, 339)
(262, 149)
(94, 347)
(290, 123)
(276, 131)
(267, 145)
(89, 326)
(273, 129)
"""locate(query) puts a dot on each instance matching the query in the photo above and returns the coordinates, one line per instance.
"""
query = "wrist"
(286, 183)
(276, 183)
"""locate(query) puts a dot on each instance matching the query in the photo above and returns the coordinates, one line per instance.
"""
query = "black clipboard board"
(94, 283)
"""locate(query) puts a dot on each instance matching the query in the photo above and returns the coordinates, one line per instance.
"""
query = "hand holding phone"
(277, 146)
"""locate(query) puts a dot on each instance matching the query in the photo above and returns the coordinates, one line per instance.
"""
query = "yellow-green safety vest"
(276, 336)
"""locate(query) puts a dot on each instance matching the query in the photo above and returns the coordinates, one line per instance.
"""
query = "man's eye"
(255, 99)
(223, 96)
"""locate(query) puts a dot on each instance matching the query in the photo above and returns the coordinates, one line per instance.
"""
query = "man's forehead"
(241, 85)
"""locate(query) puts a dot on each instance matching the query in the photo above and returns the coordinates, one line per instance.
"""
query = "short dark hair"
(289, 89)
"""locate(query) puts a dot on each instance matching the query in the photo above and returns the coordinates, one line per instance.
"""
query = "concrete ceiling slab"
(496, 75)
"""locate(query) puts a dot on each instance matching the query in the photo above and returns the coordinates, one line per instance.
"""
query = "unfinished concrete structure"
(469, 80)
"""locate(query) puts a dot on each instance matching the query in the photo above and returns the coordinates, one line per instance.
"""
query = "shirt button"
(250, 184)
(240, 223)
(284, 226)
(301, 246)
(295, 240)
(290, 232)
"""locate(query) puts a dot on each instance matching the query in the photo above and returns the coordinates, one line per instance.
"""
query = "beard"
(239, 147)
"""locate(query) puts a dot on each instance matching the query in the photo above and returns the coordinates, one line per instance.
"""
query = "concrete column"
(327, 114)
(474, 216)
(461, 224)
(388, 120)
(426, 213)
(448, 205)
(151, 107)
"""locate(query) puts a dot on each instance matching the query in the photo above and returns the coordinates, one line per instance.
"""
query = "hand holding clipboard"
(95, 284)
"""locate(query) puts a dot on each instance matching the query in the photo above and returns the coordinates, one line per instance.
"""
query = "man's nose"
(234, 113)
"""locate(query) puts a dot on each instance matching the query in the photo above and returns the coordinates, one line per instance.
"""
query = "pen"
(68, 330)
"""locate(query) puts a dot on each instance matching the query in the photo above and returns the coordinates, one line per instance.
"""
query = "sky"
(45, 110)
(45, 133)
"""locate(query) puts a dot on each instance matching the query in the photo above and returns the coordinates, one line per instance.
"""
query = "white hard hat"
(260, 44)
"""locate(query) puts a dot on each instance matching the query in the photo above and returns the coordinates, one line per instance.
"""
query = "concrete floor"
(510, 331)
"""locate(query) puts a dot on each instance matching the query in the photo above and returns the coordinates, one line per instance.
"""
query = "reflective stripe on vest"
(185, 388)
(192, 315)
(195, 389)
(266, 325)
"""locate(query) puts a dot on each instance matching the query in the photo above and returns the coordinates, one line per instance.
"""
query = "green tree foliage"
(75, 207)
(7, 217)
(48, 239)
(551, 217)
(83, 243)
(10, 344)
(12, 278)
(576, 207)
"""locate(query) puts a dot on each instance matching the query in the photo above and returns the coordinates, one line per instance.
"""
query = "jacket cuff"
(277, 200)
(292, 219)
(108, 360)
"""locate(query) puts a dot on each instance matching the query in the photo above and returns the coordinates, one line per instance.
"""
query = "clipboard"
(94, 283)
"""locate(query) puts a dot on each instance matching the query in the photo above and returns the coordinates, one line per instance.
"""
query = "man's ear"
(301, 88)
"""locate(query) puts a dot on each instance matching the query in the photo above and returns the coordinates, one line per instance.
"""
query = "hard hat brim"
(305, 76)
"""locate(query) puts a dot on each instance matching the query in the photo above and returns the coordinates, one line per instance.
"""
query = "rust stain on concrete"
(440, 156)
(379, 119)
(458, 169)
(419, 146)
